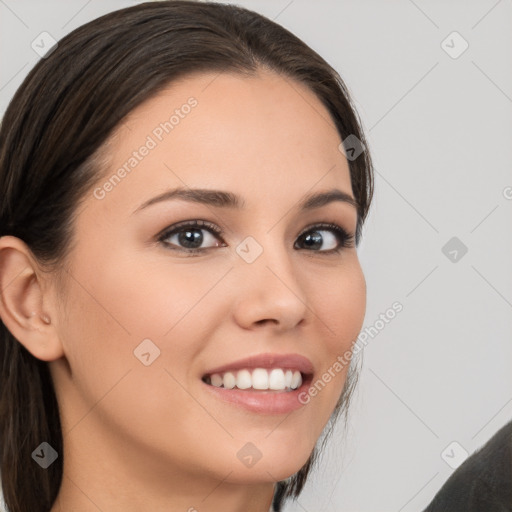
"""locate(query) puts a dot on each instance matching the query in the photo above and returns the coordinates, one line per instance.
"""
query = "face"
(157, 310)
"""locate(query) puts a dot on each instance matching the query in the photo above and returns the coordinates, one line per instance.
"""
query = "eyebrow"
(223, 199)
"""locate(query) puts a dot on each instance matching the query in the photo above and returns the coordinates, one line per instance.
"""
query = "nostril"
(265, 320)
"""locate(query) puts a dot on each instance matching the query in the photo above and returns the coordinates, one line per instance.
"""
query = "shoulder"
(483, 482)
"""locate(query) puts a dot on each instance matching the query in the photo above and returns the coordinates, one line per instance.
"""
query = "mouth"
(258, 379)
(264, 384)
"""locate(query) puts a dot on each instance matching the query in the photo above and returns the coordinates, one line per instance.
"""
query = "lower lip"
(262, 402)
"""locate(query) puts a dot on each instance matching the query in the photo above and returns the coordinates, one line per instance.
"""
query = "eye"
(336, 238)
(188, 236)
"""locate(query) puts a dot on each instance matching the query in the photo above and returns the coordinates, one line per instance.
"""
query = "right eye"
(188, 236)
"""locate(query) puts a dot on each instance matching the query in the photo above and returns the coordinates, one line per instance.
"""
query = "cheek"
(340, 303)
(340, 300)
(115, 308)
(144, 301)
(110, 310)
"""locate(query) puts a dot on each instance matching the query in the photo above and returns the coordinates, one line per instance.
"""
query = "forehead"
(266, 138)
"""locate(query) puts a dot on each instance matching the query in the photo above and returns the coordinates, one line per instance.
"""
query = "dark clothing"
(483, 482)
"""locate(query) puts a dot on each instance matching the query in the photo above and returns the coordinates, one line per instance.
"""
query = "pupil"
(313, 240)
(193, 237)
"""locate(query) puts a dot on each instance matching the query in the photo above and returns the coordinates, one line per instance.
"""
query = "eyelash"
(345, 238)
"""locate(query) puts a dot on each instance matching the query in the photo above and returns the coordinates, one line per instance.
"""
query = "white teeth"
(275, 379)
(229, 380)
(216, 380)
(243, 379)
(288, 378)
(260, 378)
(296, 380)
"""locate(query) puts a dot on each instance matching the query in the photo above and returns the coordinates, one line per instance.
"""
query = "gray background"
(440, 132)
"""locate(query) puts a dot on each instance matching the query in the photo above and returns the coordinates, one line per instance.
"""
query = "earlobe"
(23, 301)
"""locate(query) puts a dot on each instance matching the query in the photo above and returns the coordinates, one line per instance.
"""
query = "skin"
(142, 437)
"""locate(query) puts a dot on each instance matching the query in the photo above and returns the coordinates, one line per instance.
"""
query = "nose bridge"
(268, 283)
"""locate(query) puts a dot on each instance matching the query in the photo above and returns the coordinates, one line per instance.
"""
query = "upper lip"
(268, 360)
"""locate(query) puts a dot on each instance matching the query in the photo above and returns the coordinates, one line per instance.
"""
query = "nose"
(269, 291)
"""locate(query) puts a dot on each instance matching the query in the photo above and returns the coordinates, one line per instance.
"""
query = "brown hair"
(51, 135)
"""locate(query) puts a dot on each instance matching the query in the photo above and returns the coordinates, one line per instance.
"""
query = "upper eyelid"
(196, 224)
(323, 225)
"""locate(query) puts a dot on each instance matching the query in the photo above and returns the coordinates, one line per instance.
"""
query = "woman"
(141, 369)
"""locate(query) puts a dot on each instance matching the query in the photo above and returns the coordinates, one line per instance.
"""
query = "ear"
(24, 293)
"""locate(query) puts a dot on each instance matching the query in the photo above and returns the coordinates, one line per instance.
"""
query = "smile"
(275, 379)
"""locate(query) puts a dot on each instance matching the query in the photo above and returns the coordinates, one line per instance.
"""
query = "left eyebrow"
(224, 199)
(322, 198)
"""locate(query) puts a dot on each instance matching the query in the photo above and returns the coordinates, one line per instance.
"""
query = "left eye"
(314, 238)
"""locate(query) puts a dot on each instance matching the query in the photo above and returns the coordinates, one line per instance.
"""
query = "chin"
(272, 468)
